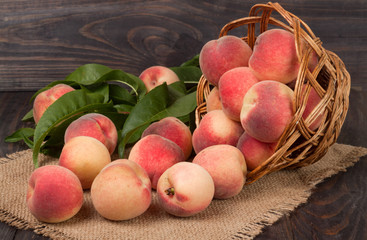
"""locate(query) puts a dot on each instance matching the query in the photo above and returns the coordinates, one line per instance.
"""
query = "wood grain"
(43, 41)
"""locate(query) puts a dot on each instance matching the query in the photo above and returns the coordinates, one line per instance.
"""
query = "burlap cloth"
(244, 216)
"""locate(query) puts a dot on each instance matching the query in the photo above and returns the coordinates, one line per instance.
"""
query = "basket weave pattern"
(298, 146)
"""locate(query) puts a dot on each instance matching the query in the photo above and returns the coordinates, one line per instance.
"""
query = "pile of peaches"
(248, 108)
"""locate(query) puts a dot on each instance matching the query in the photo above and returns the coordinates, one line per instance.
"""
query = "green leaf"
(20, 134)
(102, 89)
(188, 74)
(55, 138)
(68, 105)
(156, 105)
(28, 116)
(192, 62)
(143, 113)
(132, 82)
(120, 95)
(123, 108)
(88, 74)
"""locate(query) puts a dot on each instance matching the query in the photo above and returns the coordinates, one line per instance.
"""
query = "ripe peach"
(213, 101)
(254, 151)
(216, 128)
(121, 191)
(94, 125)
(267, 110)
(227, 166)
(220, 55)
(185, 189)
(274, 56)
(233, 86)
(155, 154)
(173, 129)
(48, 97)
(312, 101)
(157, 75)
(85, 156)
(54, 194)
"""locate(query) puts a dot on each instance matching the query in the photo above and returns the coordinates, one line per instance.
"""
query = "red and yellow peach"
(185, 189)
(268, 108)
(44, 99)
(227, 166)
(233, 86)
(254, 151)
(86, 157)
(157, 75)
(54, 194)
(173, 129)
(156, 154)
(216, 128)
(220, 55)
(94, 125)
(121, 191)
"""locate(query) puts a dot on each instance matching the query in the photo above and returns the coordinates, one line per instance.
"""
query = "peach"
(121, 191)
(312, 101)
(213, 101)
(54, 194)
(185, 189)
(173, 129)
(220, 55)
(216, 128)
(85, 156)
(254, 151)
(227, 166)
(233, 86)
(157, 75)
(94, 125)
(155, 154)
(44, 99)
(267, 110)
(274, 56)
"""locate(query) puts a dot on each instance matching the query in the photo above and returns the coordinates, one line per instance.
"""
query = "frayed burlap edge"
(255, 228)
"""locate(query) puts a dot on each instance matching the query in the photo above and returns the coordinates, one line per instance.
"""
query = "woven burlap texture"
(244, 216)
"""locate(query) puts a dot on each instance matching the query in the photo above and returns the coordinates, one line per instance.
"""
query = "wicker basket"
(298, 146)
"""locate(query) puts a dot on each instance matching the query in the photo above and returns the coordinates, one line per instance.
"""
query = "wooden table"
(43, 41)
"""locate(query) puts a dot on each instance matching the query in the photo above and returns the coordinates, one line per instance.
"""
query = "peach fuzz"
(220, 55)
(155, 154)
(86, 157)
(157, 75)
(185, 189)
(274, 56)
(213, 101)
(216, 128)
(121, 191)
(173, 129)
(312, 101)
(254, 151)
(44, 99)
(94, 125)
(227, 166)
(54, 194)
(267, 110)
(233, 86)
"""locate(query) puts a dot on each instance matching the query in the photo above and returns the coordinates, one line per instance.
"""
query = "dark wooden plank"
(43, 41)
(6, 232)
